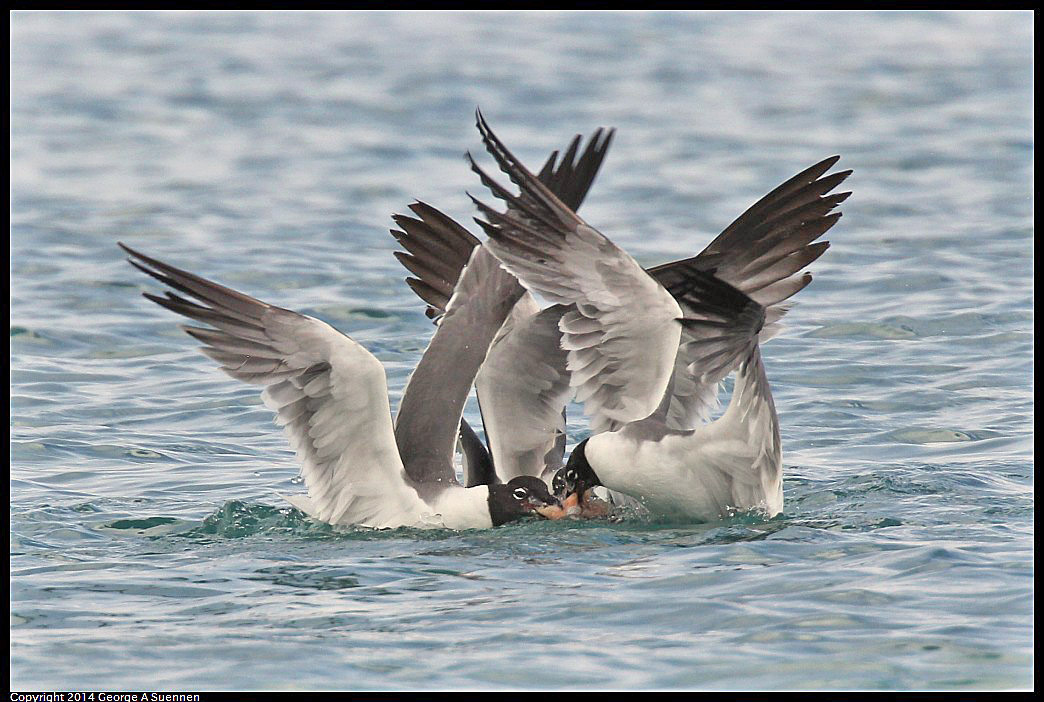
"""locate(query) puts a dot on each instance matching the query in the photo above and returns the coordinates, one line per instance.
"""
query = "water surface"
(150, 548)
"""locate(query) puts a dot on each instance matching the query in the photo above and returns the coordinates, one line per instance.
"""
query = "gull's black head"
(577, 476)
(521, 497)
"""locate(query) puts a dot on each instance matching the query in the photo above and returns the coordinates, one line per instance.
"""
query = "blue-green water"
(149, 547)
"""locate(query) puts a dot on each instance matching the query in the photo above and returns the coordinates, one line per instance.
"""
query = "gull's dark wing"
(437, 247)
(762, 254)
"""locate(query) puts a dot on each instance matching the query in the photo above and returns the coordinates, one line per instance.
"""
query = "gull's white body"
(731, 465)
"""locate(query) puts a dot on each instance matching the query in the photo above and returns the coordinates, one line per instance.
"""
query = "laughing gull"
(526, 368)
(331, 396)
(645, 351)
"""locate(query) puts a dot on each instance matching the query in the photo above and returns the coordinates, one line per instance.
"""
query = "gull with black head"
(331, 398)
(646, 351)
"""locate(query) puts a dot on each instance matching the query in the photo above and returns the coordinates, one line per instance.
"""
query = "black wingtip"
(143, 269)
(418, 205)
(481, 124)
(128, 250)
(141, 258)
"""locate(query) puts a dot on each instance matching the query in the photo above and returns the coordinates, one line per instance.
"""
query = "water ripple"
(268, 150)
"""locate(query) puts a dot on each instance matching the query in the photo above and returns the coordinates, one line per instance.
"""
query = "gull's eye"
(521, 493)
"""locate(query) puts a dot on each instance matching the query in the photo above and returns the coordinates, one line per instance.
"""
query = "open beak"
(561, 510)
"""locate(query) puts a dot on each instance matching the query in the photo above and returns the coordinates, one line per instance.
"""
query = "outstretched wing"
(761, 254)
(621, 336)
(570, 179)
(330, 394)
(437, 247)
